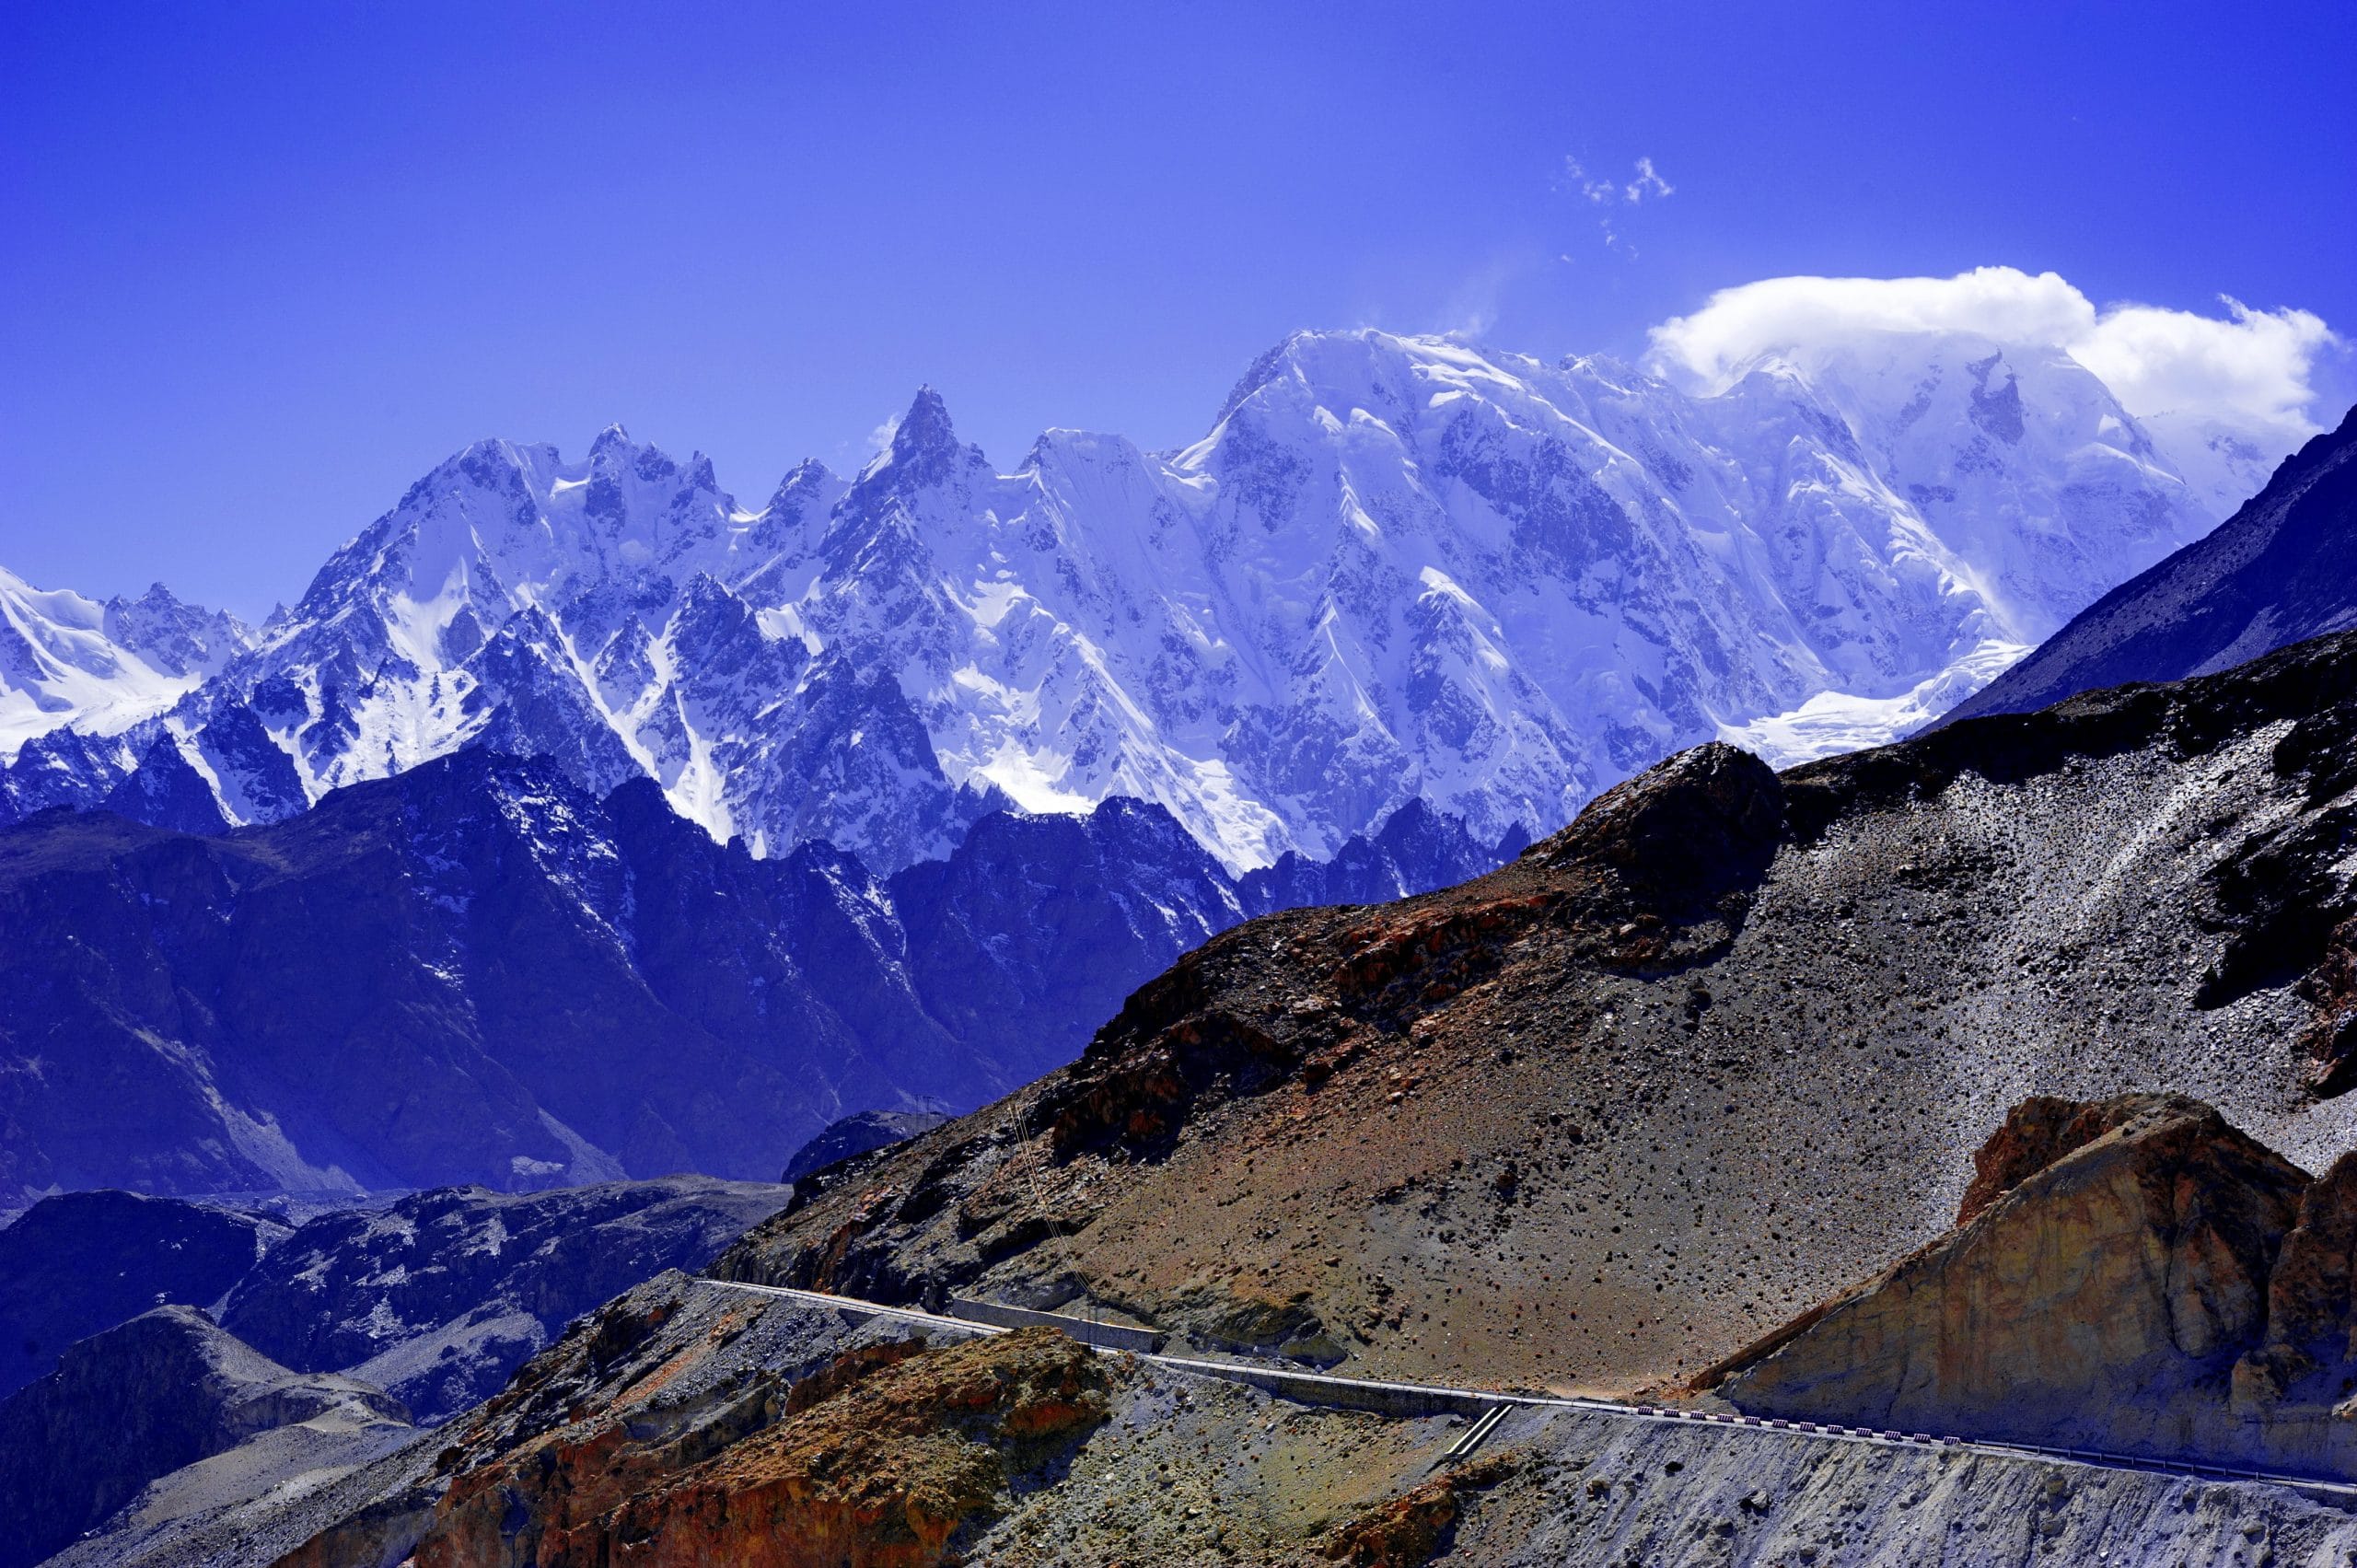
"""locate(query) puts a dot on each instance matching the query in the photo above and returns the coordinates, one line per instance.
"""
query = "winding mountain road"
(1421, 1399)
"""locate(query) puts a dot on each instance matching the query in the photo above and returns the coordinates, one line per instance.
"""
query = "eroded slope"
(1719, 1048)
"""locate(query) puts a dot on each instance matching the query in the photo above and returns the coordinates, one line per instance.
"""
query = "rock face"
(164, 1390)
(440, 1297)
(2133, 1276)
(2100, 1302)
(1521, 1128)
(475, 973)
(860, 1135)
(82, 1262)
(879, 1458)
(2280, 570)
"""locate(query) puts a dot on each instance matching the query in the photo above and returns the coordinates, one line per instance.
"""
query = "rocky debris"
(80, 1262)
(2284, 569)
(2134, 1277)
(1593, 1490)
(863, 1133)
(440, 1297)
(1412, 1529)
(162, 1391)
(1517, 1129)
(1654, 873)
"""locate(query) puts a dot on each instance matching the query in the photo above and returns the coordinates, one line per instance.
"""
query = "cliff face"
(163, 1390)
(2135, 1276)
(1718, 1049)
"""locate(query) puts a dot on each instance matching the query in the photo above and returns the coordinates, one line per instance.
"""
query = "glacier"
(1394, 570)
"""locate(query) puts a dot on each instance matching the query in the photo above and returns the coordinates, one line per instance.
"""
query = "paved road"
(1359, 1393)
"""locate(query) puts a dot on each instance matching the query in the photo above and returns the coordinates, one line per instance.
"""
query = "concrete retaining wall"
(1106, 1336)
(1347, 1393)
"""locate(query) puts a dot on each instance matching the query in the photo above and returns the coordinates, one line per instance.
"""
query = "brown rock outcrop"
(1411, 1529)
(2133, 1275)
(874, 1461)
(2042, 1130)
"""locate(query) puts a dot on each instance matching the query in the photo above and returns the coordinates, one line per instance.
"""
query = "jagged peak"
(924, 449)
(612, 439)
(809, 477)
(925, 426)
(703, 591)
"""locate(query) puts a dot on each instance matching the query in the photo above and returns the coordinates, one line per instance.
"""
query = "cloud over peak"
(2249, 370)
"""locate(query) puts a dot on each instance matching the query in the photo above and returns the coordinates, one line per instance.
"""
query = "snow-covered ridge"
(102, 666)
(1394, 568)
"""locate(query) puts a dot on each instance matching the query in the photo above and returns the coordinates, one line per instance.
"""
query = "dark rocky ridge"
(162, 1391)
(473, 972)
(2280, 570)
(431, 1302)
(80, 1262)
(440, 1297)
(860, 1135)
(1604, 1116)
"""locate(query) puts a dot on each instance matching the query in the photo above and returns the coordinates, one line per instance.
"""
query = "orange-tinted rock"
(1411, 1529)
(876, 1461)
(2311, 1315)
(2101, 1302)
(2041, 1130)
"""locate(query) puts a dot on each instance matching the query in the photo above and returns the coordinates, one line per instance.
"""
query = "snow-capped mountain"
(1395, 569)
(103, 667)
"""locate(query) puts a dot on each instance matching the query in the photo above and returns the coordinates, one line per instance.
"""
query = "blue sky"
(263, 265)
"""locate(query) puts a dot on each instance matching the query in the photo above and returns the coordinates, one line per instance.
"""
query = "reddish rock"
(2100, 1295)
(876, 1461)
(1411, 1529)
(2042, 1130)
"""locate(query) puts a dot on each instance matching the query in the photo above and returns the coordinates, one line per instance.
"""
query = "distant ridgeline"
(476, 971)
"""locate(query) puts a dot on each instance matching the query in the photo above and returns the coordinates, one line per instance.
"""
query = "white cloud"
(1596, 190)
(1647, 183)
(2253, 363)
(2252, 370)
(1606, 192)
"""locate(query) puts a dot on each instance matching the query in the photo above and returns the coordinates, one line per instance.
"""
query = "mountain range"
(1394, 569)
(1635, 1114)
(1674, 1104)
(477, 971)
